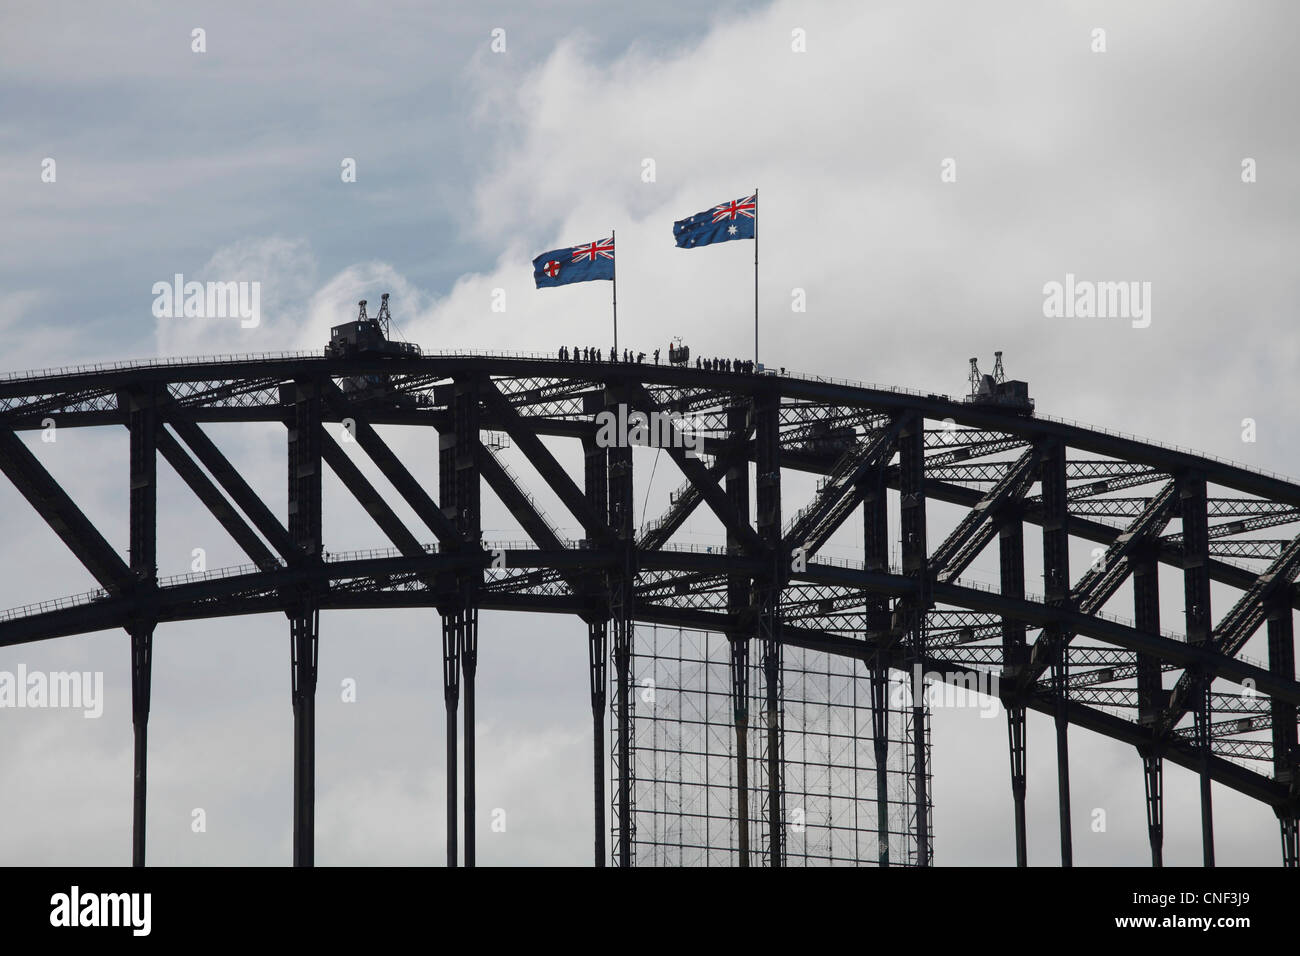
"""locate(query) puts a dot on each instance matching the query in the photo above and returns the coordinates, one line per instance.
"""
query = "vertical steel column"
(622, 673)
(1060, 686)
(1154, 786)
(1196, 591)
(451, 626)
(737, 487)
(449, 612)
(1146, 616)
(1290, 838)
(622, 614)
(468, 666)
(879, 682)
(141, 679)
(1056, 593)
(911, 486)
(304, 630)
(304, 419)
(622, 583)
(143, 422)
(739, 647)
(596, 474)
(598, 672)
(465, 422)
(768, 587)
(1011, 557)
(875, 528)
(1281, 661)
(458, 487)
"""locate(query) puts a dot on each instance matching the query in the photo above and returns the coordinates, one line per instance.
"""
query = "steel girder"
(846, 432)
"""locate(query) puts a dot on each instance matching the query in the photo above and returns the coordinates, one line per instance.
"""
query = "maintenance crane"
(368, 337)
(997, 391)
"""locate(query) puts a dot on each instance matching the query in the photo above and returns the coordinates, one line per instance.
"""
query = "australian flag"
(731, 220)
(593, 260)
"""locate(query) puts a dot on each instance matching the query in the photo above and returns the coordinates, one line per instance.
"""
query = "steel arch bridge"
(1188, 697)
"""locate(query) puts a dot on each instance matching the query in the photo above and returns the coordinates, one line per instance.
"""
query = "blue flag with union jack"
(730, 220)
(592, 260)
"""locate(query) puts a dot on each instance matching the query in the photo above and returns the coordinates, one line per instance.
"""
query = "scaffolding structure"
(682, 758)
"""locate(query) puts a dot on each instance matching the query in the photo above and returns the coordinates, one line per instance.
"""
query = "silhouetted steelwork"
(1228, 718)
(143, 423)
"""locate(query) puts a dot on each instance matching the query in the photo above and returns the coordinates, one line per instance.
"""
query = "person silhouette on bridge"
(656, 356)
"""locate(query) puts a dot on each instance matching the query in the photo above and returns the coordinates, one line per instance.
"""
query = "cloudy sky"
(1122, 165)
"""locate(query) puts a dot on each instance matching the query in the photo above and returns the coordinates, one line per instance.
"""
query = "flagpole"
(614, 277)
(756, 278)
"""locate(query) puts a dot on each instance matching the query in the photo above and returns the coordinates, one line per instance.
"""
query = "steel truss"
(772, 590)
